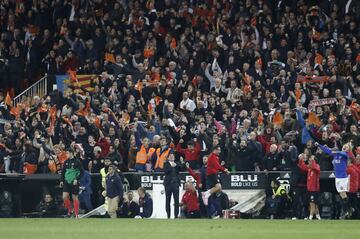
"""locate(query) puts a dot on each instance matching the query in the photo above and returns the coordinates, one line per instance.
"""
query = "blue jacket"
(146, 206)
(114, 186)
(85, 181)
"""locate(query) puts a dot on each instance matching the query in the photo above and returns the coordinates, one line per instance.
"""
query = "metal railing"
(39, 88)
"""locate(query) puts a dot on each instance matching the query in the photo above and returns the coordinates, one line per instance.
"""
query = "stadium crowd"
(264, 80)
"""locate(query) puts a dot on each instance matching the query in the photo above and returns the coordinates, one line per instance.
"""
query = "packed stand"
(264, 80)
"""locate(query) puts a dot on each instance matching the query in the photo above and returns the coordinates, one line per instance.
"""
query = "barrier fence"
(29, 189)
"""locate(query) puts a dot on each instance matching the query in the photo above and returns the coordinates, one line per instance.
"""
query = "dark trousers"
(85, 201)
(172, 189)
(299, 204)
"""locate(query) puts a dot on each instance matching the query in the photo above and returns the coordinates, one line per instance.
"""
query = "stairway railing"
(39, 88)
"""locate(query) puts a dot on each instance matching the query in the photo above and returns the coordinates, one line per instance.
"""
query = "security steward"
(279, 200)
(143, 155)
(162, 154)
(114, 191)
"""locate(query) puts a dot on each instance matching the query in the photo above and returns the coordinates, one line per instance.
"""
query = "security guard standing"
(162, 154)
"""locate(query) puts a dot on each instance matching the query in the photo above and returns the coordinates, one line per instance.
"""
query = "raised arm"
(325, 149)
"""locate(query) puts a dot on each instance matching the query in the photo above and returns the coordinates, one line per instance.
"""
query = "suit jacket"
(172, 174)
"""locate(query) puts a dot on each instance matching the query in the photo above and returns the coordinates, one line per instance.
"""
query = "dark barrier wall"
(27, 190)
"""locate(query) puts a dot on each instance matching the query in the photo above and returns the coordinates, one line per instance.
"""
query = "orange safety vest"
(142, 157)
(161, 158)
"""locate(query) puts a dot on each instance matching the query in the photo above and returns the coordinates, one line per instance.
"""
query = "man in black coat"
(172, 184)
(244, 159)
(130, 208)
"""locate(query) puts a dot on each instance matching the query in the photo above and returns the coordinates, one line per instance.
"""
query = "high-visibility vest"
(103, 174)
(279, 191)
(143, 155)
(161, 158)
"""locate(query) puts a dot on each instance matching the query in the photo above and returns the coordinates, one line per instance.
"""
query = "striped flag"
(64, 81)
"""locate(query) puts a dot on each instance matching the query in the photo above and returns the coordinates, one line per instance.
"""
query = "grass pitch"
(174, 229)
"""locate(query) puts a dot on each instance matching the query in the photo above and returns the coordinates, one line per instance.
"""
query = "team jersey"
(340, 160)
(72, 170)
(213, 165)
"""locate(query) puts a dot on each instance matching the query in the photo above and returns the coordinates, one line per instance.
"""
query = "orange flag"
(52, 113)
(157, 100)
(313, 119)
(148, 52)
(109, 57)
(194, 80)
(73, 76)
(97, 122)
(354, 106)
(278, 119)
(253, 21)
(247, 79)
(15, 111)
(173, 43)
(139, 86)
(247, 89)
(260, 118)
(150, 109)
(8, 99)
(318, 59)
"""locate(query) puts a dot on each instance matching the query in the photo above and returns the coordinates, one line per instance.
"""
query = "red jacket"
(190, 199)
(196, 176)
(105, 147)
(313, 175)
(190, 155)
(354, 178)
(358, 169)
(213, 165)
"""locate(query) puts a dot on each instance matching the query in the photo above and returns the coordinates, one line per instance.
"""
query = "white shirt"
(187, 105)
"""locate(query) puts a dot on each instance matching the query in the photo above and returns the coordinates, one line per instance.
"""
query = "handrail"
(39, 88)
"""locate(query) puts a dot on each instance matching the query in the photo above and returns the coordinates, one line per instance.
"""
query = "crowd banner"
(312, 79)
(315, 103)
(83, 81)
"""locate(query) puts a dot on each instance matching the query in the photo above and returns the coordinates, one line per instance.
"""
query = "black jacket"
(72, 163)
(171, 174)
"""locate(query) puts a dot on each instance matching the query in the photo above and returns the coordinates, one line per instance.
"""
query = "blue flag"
(305, 135)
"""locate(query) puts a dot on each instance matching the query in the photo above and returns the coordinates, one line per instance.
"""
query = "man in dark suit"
(172, 184)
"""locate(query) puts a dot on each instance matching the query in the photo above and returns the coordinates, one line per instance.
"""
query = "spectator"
(145, 203)
(129, 209)
(241, 72)
(47, 207)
